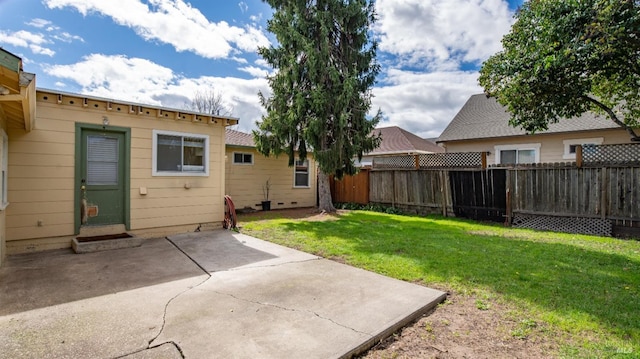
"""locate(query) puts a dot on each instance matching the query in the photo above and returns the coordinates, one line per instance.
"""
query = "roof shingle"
(396, 140)
(484, 117)
(237, 138)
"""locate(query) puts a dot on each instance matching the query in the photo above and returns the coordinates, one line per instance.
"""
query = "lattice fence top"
(626, 153)
(430, 160)
(451, 160)
(394, 162)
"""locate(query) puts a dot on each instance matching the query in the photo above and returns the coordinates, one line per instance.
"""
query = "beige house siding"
(42, 170)
(552, 146)
(244, 182)
(3, 222)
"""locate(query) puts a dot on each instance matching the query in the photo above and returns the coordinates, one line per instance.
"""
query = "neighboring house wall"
(43, 183)
(551, 147)
(245, 181)
(3, 178)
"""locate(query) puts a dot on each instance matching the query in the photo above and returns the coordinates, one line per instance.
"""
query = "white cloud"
(173, 22)
(67, 37)
(423, 47)
(441, 34)
(143, 81)
(255, 71)
(423, 103)
(30, 40)
(39, 50)
(243, 6)
(39, 23)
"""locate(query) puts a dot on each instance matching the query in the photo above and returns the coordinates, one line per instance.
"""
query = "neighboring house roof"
(239, 139)
(396, 140)
(484, 117)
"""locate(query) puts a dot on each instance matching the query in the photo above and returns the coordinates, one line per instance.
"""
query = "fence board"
(418, 191)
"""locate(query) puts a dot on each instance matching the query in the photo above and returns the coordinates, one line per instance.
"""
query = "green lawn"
(584, 290)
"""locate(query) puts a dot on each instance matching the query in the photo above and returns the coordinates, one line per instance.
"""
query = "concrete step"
(104, 238)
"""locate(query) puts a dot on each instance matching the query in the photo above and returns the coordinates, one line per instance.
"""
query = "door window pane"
(102, 160)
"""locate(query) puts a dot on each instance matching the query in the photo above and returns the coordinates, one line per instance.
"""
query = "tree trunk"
(324, 193)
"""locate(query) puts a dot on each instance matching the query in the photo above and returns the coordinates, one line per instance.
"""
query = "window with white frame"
(301, 174)
(4, 165)
(570, 146)
(180, 154)
(240, 158)
(517, 154)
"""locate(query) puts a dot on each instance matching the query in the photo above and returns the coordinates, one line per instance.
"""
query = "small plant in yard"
(524, 329)
(266, 187)
(579, 292)
(482, 305)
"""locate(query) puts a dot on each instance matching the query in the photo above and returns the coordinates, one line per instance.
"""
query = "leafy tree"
(325, 65)
(563, 58)
(208, 101)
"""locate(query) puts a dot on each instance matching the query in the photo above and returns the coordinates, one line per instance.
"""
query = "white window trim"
(579, 141)
(233, 160)
(520, 146)
(308, 174)
(154, 156)
(4, 167)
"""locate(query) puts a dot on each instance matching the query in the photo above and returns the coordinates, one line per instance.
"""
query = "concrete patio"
(214, 294)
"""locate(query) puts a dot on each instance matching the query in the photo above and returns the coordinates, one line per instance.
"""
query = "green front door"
(102, 182)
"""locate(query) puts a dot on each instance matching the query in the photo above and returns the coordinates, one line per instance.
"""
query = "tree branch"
(613, 117)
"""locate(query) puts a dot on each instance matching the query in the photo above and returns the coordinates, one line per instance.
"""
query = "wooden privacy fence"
(351, 189)
(419, 191)
(591, 200)
(598, 194)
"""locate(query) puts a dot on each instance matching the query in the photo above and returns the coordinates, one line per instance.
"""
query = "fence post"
(579, 156)
(484, 160)
(417, 161)
(443, 190)
(509, 210)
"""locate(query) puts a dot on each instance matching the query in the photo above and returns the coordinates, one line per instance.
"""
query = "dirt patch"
(308, 214)
(467, 327)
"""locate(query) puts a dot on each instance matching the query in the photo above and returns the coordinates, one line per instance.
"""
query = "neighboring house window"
(4, 164)
(242, 158)
(180, 154)
(570, 146)
(301, 176)
(518, 154)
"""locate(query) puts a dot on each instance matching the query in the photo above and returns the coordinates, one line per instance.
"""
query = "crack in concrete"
(166, 306)
(268, 265)
(295, 310)
(171, 342)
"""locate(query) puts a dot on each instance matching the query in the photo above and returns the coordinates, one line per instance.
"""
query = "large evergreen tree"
(325, 63)
(563, 58)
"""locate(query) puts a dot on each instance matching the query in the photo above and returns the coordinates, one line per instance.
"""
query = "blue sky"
(162, 52)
